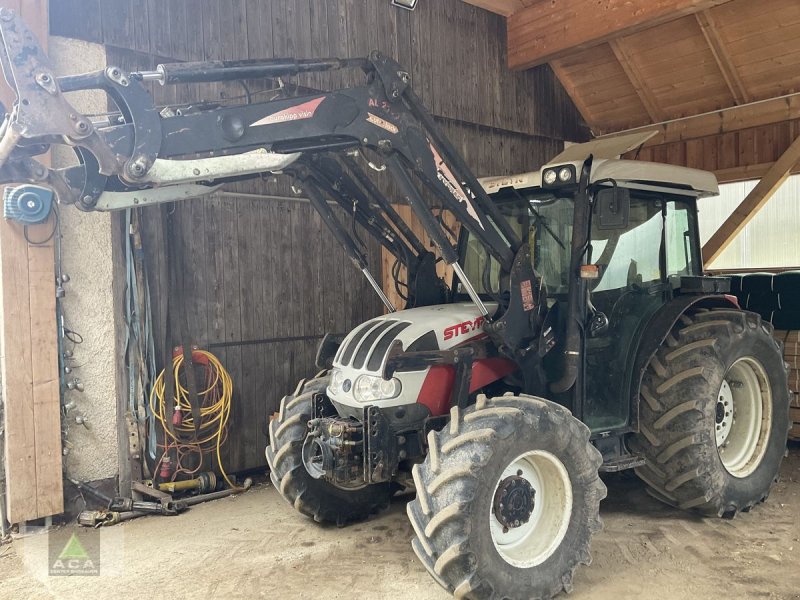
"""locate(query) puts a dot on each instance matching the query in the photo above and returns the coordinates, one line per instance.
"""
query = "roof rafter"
(634, 75)
(747, 172)
(502, 7)
(577, 99)
(706, 21)
(735, 118)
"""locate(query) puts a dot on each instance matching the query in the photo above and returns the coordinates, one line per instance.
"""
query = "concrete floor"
(255, 545)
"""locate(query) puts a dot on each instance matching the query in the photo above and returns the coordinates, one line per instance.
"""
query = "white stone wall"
(88, 304)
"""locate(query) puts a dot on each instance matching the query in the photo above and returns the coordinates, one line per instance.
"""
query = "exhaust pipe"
(580, 236)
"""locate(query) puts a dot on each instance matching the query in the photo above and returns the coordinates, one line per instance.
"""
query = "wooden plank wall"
(733, 156)
(30, 381)
(264, 279)
(456, 53)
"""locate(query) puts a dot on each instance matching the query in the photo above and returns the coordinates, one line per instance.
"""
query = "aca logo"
(76, 556)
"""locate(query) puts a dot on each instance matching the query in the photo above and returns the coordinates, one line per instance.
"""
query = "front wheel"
(507, 500)
(315, 498)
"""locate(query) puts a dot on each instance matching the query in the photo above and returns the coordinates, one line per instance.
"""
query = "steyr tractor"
(578, 334)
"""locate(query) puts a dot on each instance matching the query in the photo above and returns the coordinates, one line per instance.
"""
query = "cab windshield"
(545, 220)
(626, 257)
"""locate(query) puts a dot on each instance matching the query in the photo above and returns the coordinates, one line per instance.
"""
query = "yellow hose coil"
(215, 409)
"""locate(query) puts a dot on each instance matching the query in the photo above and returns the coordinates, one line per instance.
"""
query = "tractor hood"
(426, 328)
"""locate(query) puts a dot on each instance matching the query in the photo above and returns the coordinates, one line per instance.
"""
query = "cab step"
(622, 463)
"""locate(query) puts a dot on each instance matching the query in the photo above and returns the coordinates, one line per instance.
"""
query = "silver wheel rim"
(743, 417)
(533, 542)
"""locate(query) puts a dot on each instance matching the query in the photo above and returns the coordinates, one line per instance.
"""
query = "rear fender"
(656, 332)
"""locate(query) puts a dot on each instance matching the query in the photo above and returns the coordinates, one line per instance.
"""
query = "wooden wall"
(264, 280)
(734, 156)
(455, 52)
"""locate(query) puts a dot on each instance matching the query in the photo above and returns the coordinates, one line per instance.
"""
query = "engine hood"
(448, 324)
(426, 328)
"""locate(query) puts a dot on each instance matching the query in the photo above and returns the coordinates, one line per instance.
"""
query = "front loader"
(577, 336)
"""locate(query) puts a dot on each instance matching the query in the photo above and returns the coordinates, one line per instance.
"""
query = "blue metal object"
(28, 204)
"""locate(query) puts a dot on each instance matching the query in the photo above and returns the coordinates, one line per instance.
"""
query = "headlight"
(369, 388)
(336, 381)
(558, 176)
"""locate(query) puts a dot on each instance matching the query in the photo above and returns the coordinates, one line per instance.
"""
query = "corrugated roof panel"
(771, 239)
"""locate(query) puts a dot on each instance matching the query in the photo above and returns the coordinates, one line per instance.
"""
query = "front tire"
(714, 414)
(507, 500)
(315, 498)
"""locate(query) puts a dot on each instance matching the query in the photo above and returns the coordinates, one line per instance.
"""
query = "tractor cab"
(643, 242)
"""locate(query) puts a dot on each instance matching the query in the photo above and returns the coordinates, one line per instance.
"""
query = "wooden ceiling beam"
(502, 7)
(735, 118)
(626, 61)
(747, 172)
(577, 98)
(550, 29)
(755, 201)
(706, 21)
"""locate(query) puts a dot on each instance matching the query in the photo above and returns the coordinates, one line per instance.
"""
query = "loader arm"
(313, 138)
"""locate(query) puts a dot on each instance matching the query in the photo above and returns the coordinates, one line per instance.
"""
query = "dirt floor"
(255, 545)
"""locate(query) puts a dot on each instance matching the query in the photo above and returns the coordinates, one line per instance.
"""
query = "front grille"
(382, 347)
(363, 349)
(347, 353)
(370, 343)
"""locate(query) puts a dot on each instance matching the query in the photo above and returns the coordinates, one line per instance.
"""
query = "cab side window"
(681, 259)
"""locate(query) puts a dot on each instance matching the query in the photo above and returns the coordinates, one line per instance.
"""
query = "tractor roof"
(608, 165)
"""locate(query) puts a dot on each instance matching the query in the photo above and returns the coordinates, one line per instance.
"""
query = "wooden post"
(29, 361)
(755, 200)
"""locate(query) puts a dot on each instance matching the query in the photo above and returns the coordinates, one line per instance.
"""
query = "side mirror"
(613, 207)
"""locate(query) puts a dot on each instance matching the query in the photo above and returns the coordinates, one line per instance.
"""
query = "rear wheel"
(316, 498)
(714, 413)
(507, 500)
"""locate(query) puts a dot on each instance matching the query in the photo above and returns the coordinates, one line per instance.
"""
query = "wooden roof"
(719, 81)
(629, 63)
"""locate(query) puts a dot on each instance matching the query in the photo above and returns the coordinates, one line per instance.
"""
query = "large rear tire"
(316, 498)
(714, 414)
(507, 500)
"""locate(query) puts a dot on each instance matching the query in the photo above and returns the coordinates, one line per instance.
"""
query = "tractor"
(577, 334)
(631, 358)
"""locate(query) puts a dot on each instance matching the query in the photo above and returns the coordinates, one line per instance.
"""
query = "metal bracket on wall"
(134, 446)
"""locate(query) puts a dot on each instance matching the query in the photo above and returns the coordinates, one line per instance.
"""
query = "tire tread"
(672, 436)
(435, 514)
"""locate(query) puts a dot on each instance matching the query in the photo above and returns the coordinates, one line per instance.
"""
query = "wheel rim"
(743, 417)
(530, 543)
